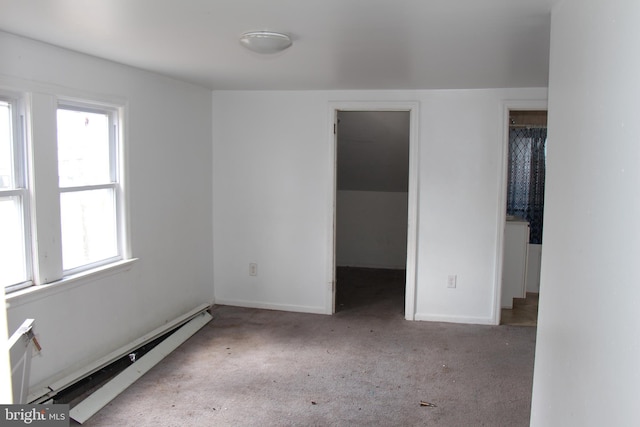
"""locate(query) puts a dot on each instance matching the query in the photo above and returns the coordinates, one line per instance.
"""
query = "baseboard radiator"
(47, 391)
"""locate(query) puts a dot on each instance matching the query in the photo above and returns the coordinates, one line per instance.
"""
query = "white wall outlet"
(451, 281)
(253, 269)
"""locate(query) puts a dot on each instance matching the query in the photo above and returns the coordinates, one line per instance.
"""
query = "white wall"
(6, 393)
(533, 268)
(371, 229)
(273, 181)
(587, 370)
(169, 152)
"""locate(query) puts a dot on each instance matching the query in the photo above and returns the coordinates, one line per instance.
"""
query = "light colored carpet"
(363, 366)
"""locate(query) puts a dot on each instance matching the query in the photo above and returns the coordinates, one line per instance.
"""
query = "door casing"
(412, 218)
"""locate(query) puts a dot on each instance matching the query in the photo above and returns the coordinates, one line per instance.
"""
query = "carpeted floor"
(363, 366)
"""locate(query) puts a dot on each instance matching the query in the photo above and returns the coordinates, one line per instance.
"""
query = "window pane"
(83, 148)
(89, 231)
(13, 269)
(6, 143)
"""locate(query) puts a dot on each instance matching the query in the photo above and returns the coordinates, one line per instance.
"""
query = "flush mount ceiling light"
(265, 41)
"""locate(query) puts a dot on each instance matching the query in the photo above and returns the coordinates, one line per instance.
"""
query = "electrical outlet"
(451, 281)
(253, 269)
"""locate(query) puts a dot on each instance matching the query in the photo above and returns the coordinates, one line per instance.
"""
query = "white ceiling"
(338, 44)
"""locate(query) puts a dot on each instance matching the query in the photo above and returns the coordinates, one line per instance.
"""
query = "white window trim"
(115, 147)
(21, 175)
(34, 293)
(38, 107)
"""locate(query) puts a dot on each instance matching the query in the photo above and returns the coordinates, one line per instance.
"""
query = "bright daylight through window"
(87, 170)
(81, 149)
(13, 195)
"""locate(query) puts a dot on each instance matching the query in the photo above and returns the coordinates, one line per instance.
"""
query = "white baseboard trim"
(272, 306)
(378, 267)
(455, 319)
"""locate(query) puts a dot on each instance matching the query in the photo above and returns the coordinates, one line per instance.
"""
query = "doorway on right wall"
(527, 147)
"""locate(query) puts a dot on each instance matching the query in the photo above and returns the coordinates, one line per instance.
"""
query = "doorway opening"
(526, 167)
(372, 210)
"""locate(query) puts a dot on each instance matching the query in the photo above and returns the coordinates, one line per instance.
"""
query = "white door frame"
(507, 106)
(412, 219)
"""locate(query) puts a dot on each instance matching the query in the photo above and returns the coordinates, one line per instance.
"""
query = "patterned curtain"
(525, 191)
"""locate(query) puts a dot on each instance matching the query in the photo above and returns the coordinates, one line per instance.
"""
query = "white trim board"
(469, 320)
(270, 306)
(507, 105)
(412, 220)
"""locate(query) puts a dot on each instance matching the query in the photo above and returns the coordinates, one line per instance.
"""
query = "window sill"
(36, 292)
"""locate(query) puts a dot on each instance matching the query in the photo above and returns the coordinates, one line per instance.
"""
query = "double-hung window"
(15, 251)
(89, 186)
(53, 230)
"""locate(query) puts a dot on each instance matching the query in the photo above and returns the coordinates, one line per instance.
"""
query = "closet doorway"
(375, 203)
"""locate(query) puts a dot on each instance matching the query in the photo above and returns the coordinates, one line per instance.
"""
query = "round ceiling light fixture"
(265, 41)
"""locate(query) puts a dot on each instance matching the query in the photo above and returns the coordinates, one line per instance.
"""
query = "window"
(77, 223)
(88, 180)
(14, 247)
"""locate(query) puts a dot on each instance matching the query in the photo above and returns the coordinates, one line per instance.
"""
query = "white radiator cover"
(43, 392)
